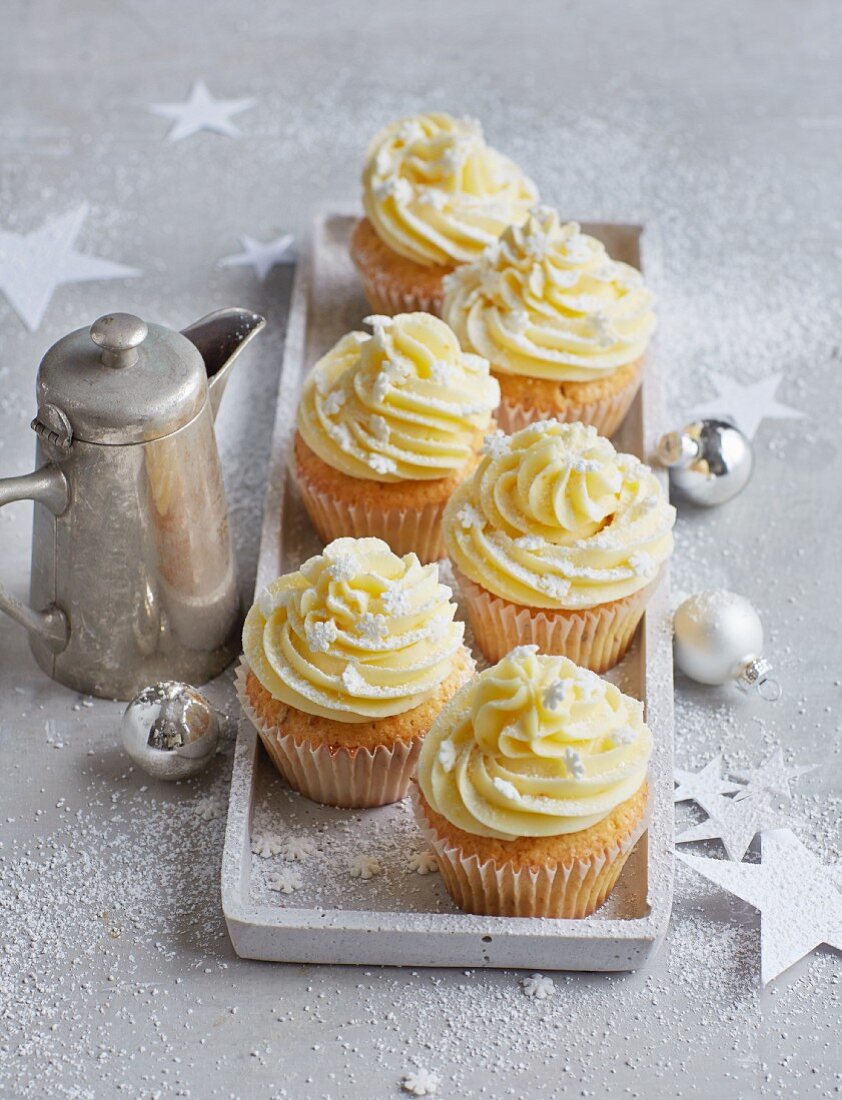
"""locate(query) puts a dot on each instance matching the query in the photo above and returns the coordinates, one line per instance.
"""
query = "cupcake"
(564, 327)
(388, 426)
(558, 540)
(532, 788)
(434, 196)
(346, 664)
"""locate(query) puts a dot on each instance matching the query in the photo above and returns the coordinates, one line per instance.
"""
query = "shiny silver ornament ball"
(719, 640)
(170, 730)
(710, 461)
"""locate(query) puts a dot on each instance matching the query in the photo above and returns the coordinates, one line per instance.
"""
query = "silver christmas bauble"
(709, 461)
(170, 730)
(719, 639)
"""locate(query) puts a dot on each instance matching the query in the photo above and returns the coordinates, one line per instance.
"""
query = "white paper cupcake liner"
(606, 415)
(406, 530)
(335, 775)
(385, 297)
(596, 638)
(563, 890)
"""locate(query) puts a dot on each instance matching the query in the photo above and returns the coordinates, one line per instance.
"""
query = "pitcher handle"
(48, 486)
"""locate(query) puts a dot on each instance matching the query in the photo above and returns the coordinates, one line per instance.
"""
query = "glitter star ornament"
(33, 264)
(259, 255)
(773, 777)
(200, 111)
(747, 405)
(799, 898)
(705, 787)
(736, 822)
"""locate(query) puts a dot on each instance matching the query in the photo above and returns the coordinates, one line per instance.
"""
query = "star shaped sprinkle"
(423, 863)
(574, 764)
(538, 987)
(736, 822)
(799, 898)
(420, 1082)
(33, 264)
(286, 881)
(705, 787)
(364, 867)
(266, 844)
(747, 405)
(395, 599)
(200, 111)
(773, 777)
(372, 627)
(262, 256)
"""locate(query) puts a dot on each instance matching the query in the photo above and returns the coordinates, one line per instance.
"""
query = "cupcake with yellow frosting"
(558, 540)
(532, 788)
(388, 426)
(434, 196)
(564, 326)
(346, 664)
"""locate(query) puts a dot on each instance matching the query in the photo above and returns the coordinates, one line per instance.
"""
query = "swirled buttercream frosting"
(405, 403)
(534, 746)
(437, 194)
(546, 301)
(357, 633)
(554, 517)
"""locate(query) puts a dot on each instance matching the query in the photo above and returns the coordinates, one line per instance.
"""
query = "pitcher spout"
(220, 337)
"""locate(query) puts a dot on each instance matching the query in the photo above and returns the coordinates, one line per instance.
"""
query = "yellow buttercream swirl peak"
(357, 633)
(546, 301)
(554, 517)
(405, 403)
(534, 746)
(436, 193)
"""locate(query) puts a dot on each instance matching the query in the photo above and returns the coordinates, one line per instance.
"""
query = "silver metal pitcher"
(133, 576)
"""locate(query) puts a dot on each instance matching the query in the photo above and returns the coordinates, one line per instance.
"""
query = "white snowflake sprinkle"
(555, 694)
(343, 567)
(529, 542)
(364, 867)
(395, 599)
(420, 1082)
(468, 517)
(447, 755)
(321, 635)
(521, 652)
(353, 682)
(538, 987)
(334, 402)
(441, 372)
(624, 736)
(496, 445)
(382, 465)
(208, 809)
(286, 881)
(372, 627)
(379, 428)
(506, 789)
(642, 563)
(382, 385)
(573, 760)
(423, 863)
(555, 587)
(266, 844)
(297, 848)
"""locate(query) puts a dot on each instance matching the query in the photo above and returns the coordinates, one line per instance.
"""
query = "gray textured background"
(722, 122)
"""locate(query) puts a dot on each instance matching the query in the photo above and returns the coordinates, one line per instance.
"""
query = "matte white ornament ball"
(719, 640)
(170, 730)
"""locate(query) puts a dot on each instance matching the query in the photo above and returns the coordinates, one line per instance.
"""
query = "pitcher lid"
(122, 381)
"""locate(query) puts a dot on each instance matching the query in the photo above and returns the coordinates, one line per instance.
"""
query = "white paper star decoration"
(799, 898)
(261, 256)
(33, 264)
(704, 787)
(200, 111)
(736, 822)
(747, 405)
(772, 777)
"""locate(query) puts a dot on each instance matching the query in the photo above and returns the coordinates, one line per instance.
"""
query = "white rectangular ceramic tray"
(400, 917)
